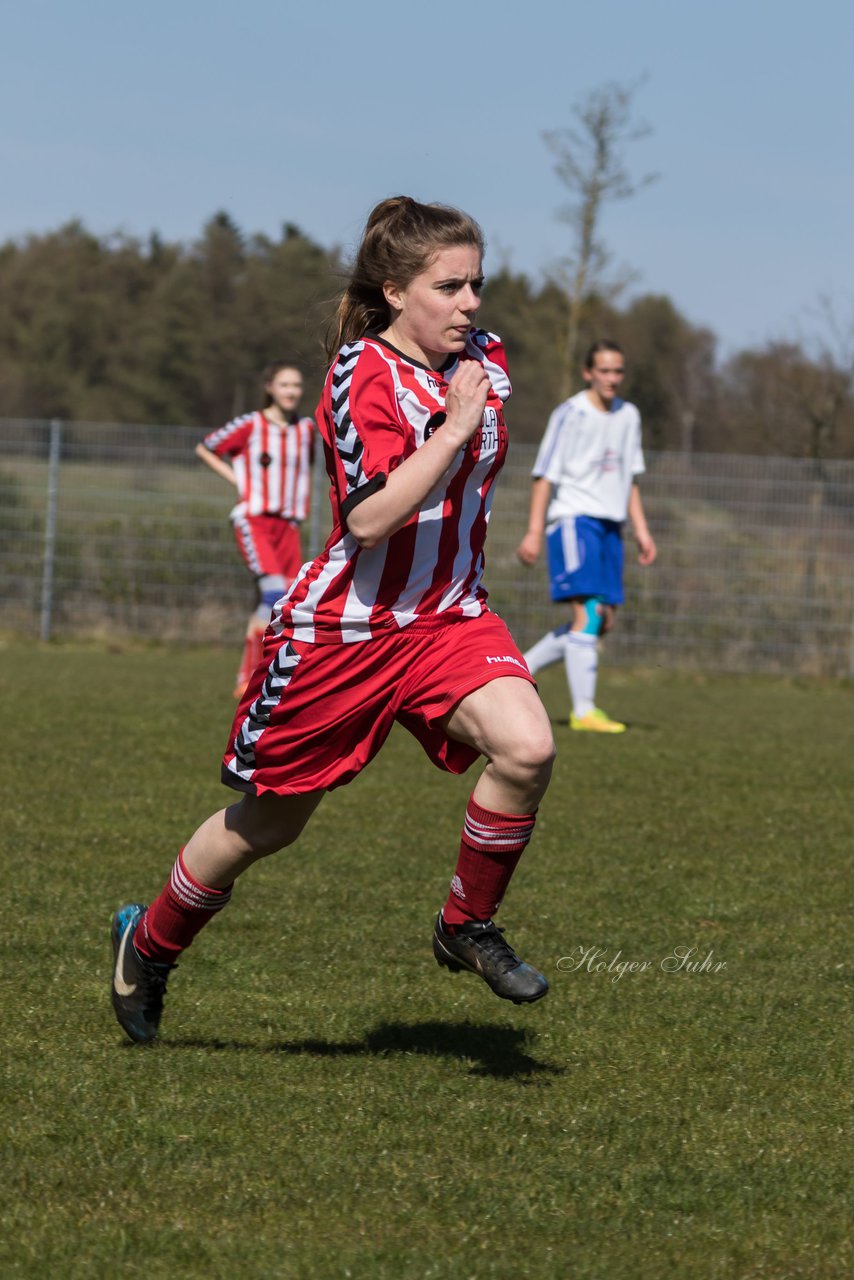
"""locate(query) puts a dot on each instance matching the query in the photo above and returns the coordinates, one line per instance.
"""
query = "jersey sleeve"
(489, 350)
(547, 465)
(231, 439)
(367, 434)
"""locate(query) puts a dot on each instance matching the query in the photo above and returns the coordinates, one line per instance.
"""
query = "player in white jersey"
(389, 623)
(584, 488)
(268, 457)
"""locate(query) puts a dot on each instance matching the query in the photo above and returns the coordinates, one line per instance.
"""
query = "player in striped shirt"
(268, 457)
(389, 623)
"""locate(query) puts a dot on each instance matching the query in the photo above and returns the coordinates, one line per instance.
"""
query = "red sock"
(491, 845)
(253, 650)
(176, 916)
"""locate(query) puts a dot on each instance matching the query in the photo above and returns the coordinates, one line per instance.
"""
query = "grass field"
(325, 1102)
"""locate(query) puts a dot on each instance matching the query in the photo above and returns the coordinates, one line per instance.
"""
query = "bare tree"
(590, 164)
(827, 403)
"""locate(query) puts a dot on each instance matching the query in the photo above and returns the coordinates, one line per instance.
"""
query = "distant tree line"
(123, 330)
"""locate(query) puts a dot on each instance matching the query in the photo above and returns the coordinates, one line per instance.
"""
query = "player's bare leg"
(229, 841)
(506, 721)
(147, 941)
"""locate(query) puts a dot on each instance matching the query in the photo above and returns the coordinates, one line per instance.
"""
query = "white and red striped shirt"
(378, 406)
(272, 464)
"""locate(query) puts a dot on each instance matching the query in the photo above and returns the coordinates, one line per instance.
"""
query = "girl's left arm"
(647, 550)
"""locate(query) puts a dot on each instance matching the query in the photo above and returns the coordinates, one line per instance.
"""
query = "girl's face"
(604, 379)
(285, 389)
(432, 315)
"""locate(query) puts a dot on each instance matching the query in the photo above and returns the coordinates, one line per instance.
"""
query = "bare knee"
(526, 758)
(507, 723)
(270, 822)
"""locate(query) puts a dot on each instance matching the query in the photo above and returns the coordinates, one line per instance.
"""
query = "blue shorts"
(586, 559)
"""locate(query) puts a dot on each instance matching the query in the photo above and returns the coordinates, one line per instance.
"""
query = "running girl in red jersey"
(268, 457)
(389, 623)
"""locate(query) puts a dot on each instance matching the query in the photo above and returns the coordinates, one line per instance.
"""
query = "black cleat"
(139, 985)
(480, 947)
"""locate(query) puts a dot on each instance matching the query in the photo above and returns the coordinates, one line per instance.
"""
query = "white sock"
(582, 665)
(548, 650)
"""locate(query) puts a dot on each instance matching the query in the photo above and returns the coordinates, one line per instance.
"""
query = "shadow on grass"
(498, 1052)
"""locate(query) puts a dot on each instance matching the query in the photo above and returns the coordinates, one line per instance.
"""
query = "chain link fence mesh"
(113, 531)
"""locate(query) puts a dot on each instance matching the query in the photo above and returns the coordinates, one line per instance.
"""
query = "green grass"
(325, 1102)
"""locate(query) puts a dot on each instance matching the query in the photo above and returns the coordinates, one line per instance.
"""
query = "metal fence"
(117, 530)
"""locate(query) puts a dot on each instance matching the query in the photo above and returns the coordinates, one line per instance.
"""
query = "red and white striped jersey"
(378, 406)
(272, 464)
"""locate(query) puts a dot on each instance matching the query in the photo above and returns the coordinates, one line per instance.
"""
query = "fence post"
(50, 528)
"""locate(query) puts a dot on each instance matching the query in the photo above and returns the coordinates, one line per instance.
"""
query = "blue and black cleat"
(138, 985)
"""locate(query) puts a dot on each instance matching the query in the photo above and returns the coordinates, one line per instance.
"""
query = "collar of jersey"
(293, 419)
(419, 364)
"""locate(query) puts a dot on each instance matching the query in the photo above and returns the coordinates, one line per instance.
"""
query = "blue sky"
(138, 118)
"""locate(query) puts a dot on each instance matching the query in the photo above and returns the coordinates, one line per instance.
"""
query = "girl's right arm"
(384, 512)
(217, 464)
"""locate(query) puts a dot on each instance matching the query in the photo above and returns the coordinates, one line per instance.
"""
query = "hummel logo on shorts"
(508, 658)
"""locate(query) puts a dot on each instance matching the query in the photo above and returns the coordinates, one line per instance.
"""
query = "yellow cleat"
(596, 722)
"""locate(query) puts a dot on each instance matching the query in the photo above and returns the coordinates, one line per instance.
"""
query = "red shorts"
(269, 544)
(314, 715)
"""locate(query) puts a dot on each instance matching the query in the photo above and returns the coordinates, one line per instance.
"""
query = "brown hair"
(269, 372)
(400, 238)
(604, 344)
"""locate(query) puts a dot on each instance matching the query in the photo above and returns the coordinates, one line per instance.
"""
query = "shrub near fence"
(117, 530)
